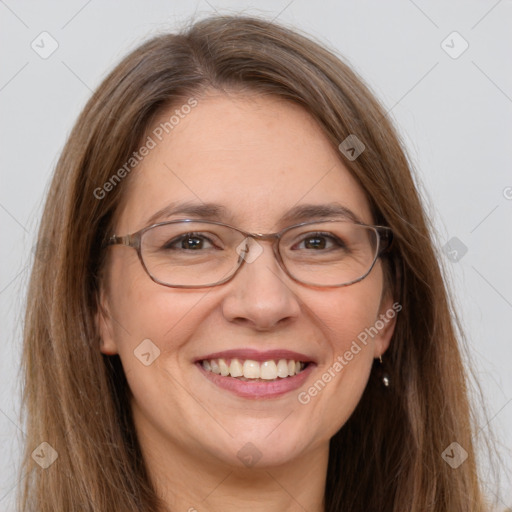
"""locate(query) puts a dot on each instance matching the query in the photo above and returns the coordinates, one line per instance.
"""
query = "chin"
(261, 450)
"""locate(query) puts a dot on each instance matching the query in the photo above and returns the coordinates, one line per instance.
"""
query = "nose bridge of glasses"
(250, 248)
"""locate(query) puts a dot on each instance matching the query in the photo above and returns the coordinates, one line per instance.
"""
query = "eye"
(319, 241)
(189, 242)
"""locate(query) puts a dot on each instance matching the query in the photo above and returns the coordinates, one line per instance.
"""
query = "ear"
(385, 322)
(104, 326)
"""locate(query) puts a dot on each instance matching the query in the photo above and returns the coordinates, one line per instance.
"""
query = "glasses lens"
(329, 253)
(190, 253)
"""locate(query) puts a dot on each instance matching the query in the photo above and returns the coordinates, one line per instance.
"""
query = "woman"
(243, 307)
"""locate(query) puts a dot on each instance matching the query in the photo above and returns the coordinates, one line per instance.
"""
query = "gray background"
(453, 113)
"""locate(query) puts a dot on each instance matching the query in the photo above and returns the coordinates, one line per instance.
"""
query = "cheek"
(345, 318)
(344, 314)
(153, 326)
(149, 318)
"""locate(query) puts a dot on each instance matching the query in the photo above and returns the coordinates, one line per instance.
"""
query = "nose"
(261, 295)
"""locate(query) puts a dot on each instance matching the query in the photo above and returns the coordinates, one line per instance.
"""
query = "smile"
(250, 370)
(257, 375)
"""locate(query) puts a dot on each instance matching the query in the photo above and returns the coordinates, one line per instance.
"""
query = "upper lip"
(257, 355)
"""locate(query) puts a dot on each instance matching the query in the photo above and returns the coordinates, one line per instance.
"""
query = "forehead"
(257, 157)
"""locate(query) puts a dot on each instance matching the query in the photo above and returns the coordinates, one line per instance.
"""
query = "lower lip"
(248, 389)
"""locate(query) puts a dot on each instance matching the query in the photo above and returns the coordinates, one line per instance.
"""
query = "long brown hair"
(387, 457)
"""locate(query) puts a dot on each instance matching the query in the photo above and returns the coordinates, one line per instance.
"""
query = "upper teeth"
(250, 369)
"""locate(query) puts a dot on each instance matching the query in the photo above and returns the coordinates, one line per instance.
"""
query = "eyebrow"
(304, 212)
(200, 210)
(217, 212)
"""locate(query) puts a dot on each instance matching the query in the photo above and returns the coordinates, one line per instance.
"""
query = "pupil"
(192, 243)
(315, 243)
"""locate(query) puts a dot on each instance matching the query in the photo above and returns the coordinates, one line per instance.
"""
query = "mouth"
(250, 370)
(250, 374)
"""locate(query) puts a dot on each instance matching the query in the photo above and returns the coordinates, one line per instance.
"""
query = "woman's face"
(258, 159)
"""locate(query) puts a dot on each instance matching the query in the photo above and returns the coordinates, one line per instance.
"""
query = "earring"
(386, 379)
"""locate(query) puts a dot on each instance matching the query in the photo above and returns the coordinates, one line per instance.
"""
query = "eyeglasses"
(194, 254)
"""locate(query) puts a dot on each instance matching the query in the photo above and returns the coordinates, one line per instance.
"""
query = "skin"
(258, 157)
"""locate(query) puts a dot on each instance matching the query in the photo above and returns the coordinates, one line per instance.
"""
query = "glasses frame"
(384, 241)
